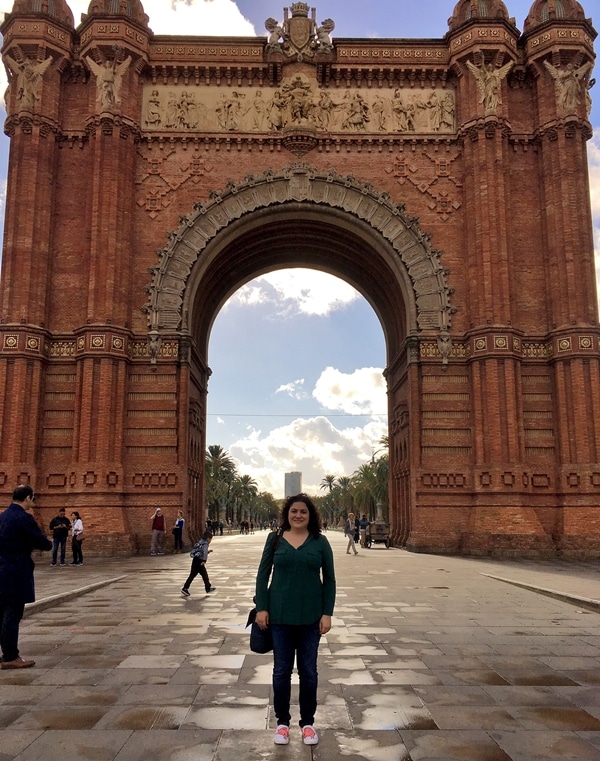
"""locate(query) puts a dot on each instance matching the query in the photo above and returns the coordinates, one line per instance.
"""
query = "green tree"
(244, 493)
(266, 508)
(370, 483)
(345, 497)
(328, 503)
(220, 473)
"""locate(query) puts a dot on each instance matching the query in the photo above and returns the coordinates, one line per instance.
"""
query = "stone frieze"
(297, 103)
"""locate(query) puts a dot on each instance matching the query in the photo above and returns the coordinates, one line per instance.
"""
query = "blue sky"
(297, 356)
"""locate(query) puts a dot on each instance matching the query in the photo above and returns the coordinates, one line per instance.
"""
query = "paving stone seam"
(582, 602)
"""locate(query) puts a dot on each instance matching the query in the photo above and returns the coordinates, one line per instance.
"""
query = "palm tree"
(371, 484)
(328, 482)
(246, 491)
(220, 474)
(266, 508)
(364, 483)
(345, 498)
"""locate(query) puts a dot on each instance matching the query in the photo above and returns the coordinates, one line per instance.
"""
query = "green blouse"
(303, 582)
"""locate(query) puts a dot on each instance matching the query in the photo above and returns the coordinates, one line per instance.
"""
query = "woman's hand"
(262, 619)
(324, 624)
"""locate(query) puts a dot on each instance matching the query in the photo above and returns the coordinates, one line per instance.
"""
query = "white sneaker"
(309, 736)
(282, 735)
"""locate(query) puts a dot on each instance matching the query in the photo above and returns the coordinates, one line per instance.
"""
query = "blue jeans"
(303, 643)
(60, 541)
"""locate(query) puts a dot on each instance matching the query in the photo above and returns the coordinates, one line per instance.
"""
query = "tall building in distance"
(293, 484)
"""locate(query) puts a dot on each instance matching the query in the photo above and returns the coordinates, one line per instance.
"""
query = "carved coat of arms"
(300, 30)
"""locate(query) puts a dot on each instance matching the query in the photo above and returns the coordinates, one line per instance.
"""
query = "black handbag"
(261, 640)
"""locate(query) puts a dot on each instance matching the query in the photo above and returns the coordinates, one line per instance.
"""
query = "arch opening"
(301, 217)
(297, 383)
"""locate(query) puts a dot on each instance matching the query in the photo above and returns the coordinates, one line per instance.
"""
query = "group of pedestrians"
(159, 529)
(60, 526)
(356, 531)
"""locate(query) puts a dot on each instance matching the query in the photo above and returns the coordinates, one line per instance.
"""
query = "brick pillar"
(501, 513)
(40, 51)
(556, 59)
(103, 343)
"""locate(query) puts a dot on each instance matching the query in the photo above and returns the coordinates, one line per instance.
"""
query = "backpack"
(197, 551)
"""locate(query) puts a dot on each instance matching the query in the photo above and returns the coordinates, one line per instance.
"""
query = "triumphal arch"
(446, 179)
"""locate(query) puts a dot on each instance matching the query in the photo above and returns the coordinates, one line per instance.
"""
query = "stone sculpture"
(568, 83)
(108, 80)
(28, 75)
(489, 82)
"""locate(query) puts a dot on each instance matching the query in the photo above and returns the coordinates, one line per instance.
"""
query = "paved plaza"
(430, 658)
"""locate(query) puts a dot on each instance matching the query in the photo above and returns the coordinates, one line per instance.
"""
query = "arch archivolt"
(299, 183)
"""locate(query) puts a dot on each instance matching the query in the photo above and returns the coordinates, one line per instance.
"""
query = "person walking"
(199, 555)
(178, 532)
(349, 531)
(363, 525)
(19, 535)
(158, 532)
(76, 538)
(297, 606)
(59, 525)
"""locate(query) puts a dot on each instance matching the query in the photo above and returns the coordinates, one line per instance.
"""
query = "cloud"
(313, 446)
(293, 389)
(297, 292)
(363, 391)
(197, 17)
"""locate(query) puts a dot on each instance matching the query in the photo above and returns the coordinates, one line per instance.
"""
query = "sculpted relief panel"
(298, 103)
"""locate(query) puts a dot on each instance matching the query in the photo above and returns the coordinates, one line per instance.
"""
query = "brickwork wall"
(482, 213)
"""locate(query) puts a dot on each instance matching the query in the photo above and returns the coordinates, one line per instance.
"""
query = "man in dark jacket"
(60, 526)
(19, 535)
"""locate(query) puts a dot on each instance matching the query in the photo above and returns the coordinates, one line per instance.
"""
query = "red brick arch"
(305, 193)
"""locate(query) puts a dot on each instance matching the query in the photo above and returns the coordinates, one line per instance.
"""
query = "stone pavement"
(430, 658)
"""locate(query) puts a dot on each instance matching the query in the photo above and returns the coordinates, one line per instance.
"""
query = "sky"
(281, 400)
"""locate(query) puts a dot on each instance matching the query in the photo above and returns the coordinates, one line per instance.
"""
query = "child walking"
(199, 555)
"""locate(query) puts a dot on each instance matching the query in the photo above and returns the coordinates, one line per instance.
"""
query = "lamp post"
(374, 452)
(378, 505)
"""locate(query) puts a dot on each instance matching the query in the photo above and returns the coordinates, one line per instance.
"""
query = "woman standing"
(297, 605)
(349, 531)
(178, 532)
(76, 542)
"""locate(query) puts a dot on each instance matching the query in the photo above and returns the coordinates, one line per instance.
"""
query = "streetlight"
(378, 505)
(373, 453)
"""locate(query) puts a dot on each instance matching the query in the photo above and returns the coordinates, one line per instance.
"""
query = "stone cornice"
(38, 28)
(24, 121)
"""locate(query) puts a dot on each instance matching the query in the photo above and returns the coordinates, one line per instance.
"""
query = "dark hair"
(76, 514)
(314, 519)
(207, 535)
(21, 492)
